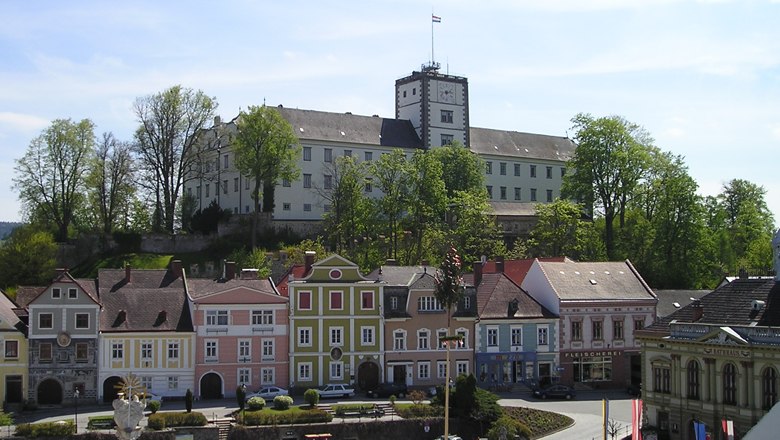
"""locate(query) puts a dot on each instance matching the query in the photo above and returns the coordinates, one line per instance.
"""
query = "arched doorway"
(368, 376)
(211, 386)
(111, 388)
(49, 392)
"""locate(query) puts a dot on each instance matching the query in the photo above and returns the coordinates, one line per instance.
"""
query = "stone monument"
(127, 414)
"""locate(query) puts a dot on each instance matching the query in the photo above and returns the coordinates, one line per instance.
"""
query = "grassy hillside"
(89, 269)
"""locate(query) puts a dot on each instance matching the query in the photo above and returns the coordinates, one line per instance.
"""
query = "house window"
(533, 171)
(428, 304)
(441, 369)
(45, 352)
(502, 168)
(462, 367)
(693, 380)
(347, 153)
(423, 336)
(235, 184)
(267, 376)
(502, 193)
(246, 184)
(262, 317)
(307, 207)
(82, 352)
(518, 193)
(73, 294)
(639, 324)
(56, 293)
(307, 154)
(489, 189)
(336, 370)
(173, 350)
(336, 302)
(367, 300)
(446, 139)
(549, 172)
(368, 156)
(549, 195)
(173, 383)
(517, 336)
(146, 351)
(208, 190)
(368, 187)
(424, 370)
(45, 320)
(327, 182)
(446, 116)
(307, 180)
(563, 172)
(326, 208)
(224, 186)
(367, 335)
(244, 350)
(464, 335)
(492, 337)
(82, 320)
(335, 335)
(541, 334)
(117, 351)
(729, 384)
(617, 329)
(328, 155)
(286, 183)
(466, 302)
(268, 350)
(488, 167)
(576, 330)
(769, 387)
(225, 161)
(533, 194)
(394, 303)
(304, 300)
(212, 351)
(304, 337)
(244, 376)
(286, 206)
(11, 349)
(399, 340)
(304, 371)
(441, 333)
(517, 169)
(662, 379)
(216, 317)
(598, 330)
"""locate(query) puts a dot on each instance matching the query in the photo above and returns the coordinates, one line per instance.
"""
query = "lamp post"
(243, 405)
(449, 342)
(76, 401)
(219, 173)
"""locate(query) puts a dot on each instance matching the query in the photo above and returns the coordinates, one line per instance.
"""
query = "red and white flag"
(636, 419)
(728, 429)
(435, 19)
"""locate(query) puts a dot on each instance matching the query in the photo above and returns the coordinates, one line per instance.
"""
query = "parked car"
(149, 397)
(557, 391)
(335, 390)
(389, 389)
(268, 393)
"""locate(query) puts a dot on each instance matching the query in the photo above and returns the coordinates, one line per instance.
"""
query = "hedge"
(287, 417)
(46, 429)
(170, 419)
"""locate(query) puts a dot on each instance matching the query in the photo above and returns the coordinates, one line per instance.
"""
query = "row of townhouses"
(324, 322)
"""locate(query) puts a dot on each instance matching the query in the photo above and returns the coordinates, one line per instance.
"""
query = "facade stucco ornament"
(776, 254)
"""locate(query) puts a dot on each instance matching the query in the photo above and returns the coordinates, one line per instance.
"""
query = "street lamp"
(219, 174)
(76, 401)
(449, 342)
(243, 404)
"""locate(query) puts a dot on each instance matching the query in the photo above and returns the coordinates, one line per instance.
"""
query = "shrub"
(170, 419)
(256, 403)
(416, 396)
(48, 429)
(419, 410)
(287, 418)
(512, 426)
(154, 405)
(362, 408)
(283, 402)
(312, 397)
(392, 400)
(6, 419)
(540, 422)
(101, 422)
(188, 400)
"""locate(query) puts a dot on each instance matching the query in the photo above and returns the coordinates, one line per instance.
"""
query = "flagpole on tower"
(434, 19)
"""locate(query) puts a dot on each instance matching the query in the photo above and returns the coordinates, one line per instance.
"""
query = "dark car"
(388, 389)
(555, 391)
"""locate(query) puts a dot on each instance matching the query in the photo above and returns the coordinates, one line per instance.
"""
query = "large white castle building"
(431, 110)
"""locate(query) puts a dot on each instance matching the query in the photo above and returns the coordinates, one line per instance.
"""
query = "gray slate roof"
(8, 314)
(668, 298)
(497, 291)
(596, 281)
(520, 145)
(401, 275)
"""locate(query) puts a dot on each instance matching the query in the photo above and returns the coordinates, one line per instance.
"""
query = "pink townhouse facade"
(241, 326)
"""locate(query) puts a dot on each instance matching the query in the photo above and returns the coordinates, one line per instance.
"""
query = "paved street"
(585, 410)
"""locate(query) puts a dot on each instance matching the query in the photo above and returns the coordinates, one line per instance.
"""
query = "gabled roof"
(296, 271)
(580, 281)
(30, 293)
(233, 291)
(670, 301)
(8, 314)
(348, 128)
(514, 144)
(154, 300)
(730, 305)
(500, 298)
(516, 270)
(402, 275)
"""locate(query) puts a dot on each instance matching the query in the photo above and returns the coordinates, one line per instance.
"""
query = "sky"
(702, 77)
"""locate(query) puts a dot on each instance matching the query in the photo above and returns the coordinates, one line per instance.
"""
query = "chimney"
(176, 268)
(776, 252)
(249, 274)
(743, 274)
(698, 310)
(230, 270)
(499, 264)
(217, 120)
(477, 273)
(308, 261)
(127, 272)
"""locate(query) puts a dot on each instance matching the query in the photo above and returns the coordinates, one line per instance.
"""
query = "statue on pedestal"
(127, 415)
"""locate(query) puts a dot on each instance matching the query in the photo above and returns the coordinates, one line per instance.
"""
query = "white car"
(268, 393)
(335, 390)
(149, 397)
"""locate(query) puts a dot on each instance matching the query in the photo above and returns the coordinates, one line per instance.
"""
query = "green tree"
(167, 144)
(473, 227)
(110, 182)
(426, 206)
(345, 197)
(297, 252)
(391, 174)
(609, 161)
(560, 230)
(448, 282)
(50, 175)
(27, 257)
(267, 150)
(462, 170)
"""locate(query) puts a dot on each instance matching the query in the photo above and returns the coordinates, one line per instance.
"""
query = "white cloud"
(22, 122)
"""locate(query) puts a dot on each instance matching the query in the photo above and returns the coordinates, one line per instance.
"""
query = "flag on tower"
(435, 19)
